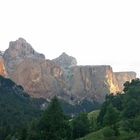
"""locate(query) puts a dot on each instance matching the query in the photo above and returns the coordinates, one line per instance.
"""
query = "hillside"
(17, 109)
(119, 117)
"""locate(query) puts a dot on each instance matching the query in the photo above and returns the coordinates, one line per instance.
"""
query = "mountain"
(61, 76)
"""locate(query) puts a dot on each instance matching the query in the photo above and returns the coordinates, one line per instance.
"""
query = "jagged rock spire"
(64, 60)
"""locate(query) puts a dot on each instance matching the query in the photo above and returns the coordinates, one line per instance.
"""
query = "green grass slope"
(98, 135)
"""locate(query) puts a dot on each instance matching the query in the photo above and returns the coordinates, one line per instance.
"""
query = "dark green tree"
(110, 119)
(131, 108)
(136, 124)
(54, 124)
(111, 116)
(23, 134)
(80, 125)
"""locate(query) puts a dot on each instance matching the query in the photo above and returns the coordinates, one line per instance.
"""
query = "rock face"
(122, 77)
(39, 78)
(60, 76)
(91, 82)
(65, 61)
(2, 66)
(18, 51)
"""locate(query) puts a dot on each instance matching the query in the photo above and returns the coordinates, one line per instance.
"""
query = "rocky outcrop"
(2, 66)
(65, 60)
(40, 78)
(18, 51)
(122, 77)
(60, 76)
(91, 82)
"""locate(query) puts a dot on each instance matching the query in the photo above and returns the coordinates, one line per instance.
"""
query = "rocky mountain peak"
(17, 52)
(64, 60)
(21, 49)
(64, 55)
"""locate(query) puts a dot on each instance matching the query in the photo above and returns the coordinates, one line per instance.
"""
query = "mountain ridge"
(61, 76)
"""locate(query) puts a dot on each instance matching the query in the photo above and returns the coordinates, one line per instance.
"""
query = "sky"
(95, 32)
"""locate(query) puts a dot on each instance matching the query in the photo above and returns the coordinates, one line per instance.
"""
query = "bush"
(136, 124)
(109, 134)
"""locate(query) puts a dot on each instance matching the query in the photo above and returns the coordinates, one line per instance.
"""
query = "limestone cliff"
(91, 82)
(41, 78)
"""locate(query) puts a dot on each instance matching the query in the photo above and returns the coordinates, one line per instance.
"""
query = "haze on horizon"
(94, 32)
